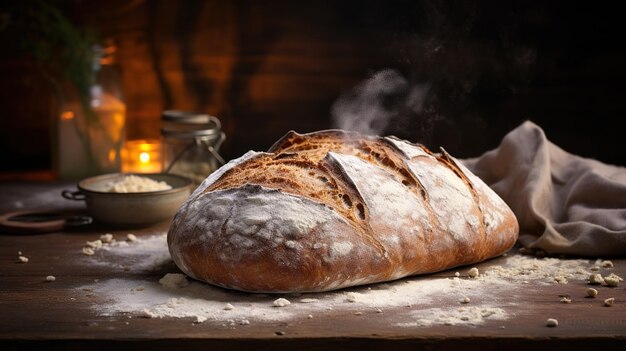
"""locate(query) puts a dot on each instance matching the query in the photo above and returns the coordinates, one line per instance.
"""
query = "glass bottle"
(90, 129)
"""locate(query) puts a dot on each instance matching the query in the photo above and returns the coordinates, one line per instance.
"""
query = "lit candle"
(142, 156)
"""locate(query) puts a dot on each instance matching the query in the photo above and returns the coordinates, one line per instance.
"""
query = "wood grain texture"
(57, 316)
(265, 68)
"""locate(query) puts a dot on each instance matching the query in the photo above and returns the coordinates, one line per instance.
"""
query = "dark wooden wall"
(266, 67)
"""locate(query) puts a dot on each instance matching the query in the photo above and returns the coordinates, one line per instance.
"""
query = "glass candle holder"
(142, 156)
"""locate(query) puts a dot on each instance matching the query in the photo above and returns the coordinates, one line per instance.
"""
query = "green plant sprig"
(61, 46)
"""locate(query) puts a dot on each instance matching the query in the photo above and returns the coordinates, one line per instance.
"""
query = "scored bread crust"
(333, 209)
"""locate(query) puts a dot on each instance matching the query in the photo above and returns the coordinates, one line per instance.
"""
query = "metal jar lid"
(190, 125)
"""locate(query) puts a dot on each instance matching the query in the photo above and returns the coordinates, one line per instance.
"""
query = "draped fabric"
(565, 204)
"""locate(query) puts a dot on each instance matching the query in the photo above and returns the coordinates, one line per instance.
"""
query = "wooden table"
(62, 315)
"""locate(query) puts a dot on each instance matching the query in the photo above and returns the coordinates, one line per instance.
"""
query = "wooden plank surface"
(77, 310)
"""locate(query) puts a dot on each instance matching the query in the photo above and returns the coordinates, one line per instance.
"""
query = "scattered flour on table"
(489, 295)
(540, 270)
(460, 315)
(201, 302)
(146, 253)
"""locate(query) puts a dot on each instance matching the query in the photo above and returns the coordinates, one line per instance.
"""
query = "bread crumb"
(200, 319)
(465, 300)
(131, 237)
(352, 297)
(591, 292)
(611, 281)
(51, 278)
(607, 264)
(309, 300)
(280, 332)
(457, 274)
(473, 272)
(228, 307)
(614, 276)
(596, 279)
(281, 302)
(378, 310)
(609, 302)
(358, 313)
(22, 259)
(174, 280)
(19, 253)
(96, 244)
(88, 251)
(560, 279)
(243, 322)
(107, 238)
(145, 313)
(552, 322)
(566, 299)
(309, 316)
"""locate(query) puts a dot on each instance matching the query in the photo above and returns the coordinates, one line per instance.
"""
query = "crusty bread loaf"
(332, 209)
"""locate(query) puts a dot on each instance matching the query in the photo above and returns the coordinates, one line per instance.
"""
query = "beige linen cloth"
(565, 204)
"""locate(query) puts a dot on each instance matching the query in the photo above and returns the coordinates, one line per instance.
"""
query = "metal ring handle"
(73, 195)
(219, 141)
(215, 120)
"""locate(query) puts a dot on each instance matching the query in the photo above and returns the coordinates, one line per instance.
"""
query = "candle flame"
(144, 157)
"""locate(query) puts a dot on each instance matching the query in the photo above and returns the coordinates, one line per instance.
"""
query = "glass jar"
(191, 142)
(90, 129)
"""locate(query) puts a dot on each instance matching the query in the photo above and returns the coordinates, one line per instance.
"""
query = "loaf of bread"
(333, 209)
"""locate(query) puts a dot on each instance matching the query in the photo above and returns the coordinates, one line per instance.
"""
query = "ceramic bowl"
(131, 209)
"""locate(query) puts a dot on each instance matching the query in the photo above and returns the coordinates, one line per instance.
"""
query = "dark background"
(266, 67)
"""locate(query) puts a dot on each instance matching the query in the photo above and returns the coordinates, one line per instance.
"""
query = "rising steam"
(372, 105)
(460, 66)
(385, 98)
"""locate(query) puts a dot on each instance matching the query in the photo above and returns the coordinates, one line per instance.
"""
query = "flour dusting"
(415, 302)
(461, 315)
(146, 253)
(543, 271)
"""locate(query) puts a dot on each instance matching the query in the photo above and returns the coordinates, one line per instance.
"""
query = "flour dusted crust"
(333, 209)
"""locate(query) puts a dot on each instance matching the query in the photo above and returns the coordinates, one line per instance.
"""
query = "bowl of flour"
(132, 200)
